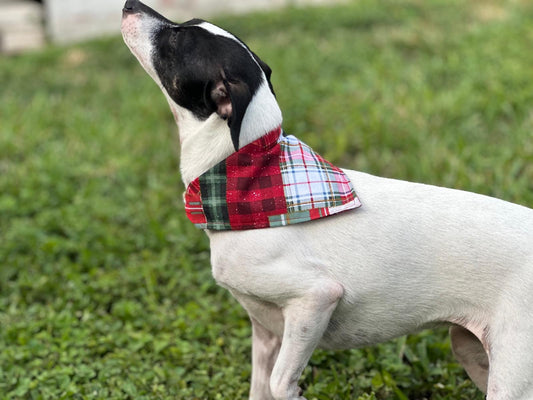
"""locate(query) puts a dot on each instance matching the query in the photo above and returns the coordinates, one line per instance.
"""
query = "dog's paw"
(300, 392)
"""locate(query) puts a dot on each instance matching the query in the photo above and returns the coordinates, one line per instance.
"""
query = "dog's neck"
(203, 145)
(206, 143)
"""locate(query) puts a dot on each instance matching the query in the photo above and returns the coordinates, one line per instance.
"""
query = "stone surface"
(21, 25)
(79, 19)
(23, 22)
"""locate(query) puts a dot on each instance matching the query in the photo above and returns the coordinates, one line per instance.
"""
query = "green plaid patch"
(213, 189)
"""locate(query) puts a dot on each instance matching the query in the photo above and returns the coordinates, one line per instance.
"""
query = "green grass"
(105, 287)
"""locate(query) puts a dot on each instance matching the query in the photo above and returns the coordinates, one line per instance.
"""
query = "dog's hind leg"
(511, 364)
(511, 371)
(510, 337)
(305, 321)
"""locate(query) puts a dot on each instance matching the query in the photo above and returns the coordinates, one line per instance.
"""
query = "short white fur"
(413, 255)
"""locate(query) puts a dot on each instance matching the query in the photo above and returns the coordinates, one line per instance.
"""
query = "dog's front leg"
(305, 321)
(265, 349)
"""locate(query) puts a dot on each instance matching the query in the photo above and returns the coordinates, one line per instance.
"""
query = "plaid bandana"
(276, 180)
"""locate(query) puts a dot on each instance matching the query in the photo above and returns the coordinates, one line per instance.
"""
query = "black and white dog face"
(205, 72)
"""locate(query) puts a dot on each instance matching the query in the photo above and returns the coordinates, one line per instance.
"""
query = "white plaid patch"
(309, 181)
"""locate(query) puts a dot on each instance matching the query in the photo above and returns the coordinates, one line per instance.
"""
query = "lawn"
(105, 286)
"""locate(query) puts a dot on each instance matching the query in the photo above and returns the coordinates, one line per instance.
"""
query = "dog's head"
(205, 72)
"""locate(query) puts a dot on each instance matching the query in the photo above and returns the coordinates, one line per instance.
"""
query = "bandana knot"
(274, 181)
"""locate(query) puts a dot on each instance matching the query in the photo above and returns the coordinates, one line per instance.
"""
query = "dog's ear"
(231, 97)
(264, 66)
(220, 96)
(266, 69)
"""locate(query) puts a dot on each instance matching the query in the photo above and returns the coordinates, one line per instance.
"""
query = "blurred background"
(29, 24)
(105, 286)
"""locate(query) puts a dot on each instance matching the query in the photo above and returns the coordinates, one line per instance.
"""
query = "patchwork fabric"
(276, 180)
(215, 206)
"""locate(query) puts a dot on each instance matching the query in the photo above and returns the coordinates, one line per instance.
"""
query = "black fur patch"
(190, 61)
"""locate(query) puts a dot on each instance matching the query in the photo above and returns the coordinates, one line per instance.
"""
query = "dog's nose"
(131, 6)
(137, 7)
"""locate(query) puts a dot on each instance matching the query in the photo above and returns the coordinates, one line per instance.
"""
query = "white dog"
(413, 255)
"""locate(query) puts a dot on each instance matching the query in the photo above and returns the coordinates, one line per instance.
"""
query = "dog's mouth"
(129, 27)
(138, 23)
(130, 12)
(139, 20)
